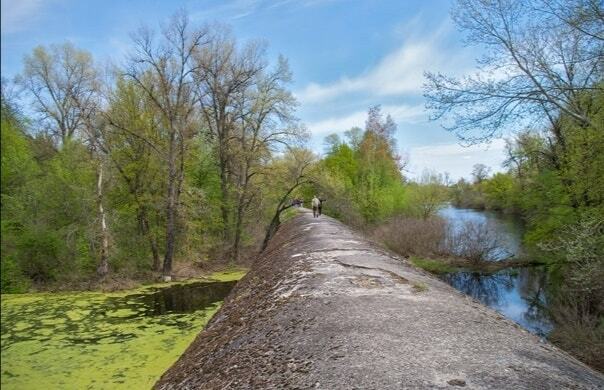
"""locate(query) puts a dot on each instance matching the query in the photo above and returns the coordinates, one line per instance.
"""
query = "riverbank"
(447, 265)
(183, 273)
(92, 339)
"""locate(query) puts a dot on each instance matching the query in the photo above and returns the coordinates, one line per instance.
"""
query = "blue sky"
(346, 55)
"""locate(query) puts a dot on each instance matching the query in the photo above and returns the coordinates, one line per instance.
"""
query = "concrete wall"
(323, 307)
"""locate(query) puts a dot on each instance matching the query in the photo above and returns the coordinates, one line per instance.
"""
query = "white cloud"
(401, 114)
(18, 14)
(456, 159)
(397, 73)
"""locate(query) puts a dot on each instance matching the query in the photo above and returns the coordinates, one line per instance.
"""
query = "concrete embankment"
(324, 308)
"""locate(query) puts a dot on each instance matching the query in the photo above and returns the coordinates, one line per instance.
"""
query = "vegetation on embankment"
(101, 340)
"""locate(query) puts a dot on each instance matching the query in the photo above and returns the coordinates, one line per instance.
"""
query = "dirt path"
(325, 308)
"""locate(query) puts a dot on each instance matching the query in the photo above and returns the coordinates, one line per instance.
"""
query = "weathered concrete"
(325, 308)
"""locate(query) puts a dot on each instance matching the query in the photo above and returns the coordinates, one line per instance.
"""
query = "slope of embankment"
(323, 307)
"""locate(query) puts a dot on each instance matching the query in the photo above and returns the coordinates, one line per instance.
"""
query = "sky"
(345, 55)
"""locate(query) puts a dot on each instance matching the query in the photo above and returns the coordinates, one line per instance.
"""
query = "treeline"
(183, 153)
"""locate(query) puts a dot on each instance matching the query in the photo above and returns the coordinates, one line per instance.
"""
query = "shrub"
(410, 236)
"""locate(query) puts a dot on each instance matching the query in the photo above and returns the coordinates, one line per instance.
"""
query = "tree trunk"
(238, 228)
(272, 228)
(224, 208)
(171, 212)
(146, 231)
(276, 221)
(103, 267)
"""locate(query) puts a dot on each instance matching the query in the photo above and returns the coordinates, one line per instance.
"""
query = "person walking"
(321, 200)
(316, 203)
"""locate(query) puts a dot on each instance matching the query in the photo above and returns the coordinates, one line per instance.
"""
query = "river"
(517, 293)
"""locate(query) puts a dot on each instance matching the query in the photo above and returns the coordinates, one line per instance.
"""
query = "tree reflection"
(488, 289)
(519, 294)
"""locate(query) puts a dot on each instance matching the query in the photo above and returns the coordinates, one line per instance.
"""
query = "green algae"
(228, 276)
(95, 340)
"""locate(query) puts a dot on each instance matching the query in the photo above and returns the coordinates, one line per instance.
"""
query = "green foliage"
(501, 192)
(427, 196)
(361, 176)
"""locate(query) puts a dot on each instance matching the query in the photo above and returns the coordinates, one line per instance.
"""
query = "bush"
(12, 280)
(474, 241)
(410, 236)
(578, 331)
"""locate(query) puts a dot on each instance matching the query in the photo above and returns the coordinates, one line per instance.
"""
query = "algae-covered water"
(94, 340)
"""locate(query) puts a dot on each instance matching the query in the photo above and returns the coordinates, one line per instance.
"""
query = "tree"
(132, 137)
(428, 195)
(266, 122)
(540, 56)
(63, 83)
(480, 173)
(223, 74)
(290, 172)
(167, 74)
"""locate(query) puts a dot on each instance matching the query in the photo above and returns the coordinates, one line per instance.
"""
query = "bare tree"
(63, 83)
(266, 123)
(480, 173)
(165, 71)
(223, 73)
(540, 56)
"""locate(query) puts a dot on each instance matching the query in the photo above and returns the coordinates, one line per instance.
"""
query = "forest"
(186, 158)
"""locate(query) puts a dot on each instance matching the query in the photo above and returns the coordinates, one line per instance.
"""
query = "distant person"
(321, 200)
(316, 204)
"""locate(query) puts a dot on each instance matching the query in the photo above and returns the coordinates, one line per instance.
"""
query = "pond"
(517, 293)
(103, 340)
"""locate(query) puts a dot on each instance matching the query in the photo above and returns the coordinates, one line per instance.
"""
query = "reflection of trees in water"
(486, 288)
(492, 290)
(532, 283)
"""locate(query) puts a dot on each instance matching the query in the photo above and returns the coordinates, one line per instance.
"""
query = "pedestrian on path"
(316, 204)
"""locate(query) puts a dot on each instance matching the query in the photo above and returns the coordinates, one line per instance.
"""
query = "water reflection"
(517, 293)
(507, 228)
(185, 298)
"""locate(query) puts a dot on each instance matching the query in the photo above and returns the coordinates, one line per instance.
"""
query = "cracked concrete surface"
(324, 308)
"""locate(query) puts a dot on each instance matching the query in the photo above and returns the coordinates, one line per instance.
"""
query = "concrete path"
(325, 308)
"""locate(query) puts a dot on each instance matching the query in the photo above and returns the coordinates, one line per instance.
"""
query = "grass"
(434, 266)
(288, 214)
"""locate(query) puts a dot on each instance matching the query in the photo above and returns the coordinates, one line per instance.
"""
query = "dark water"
(517, 293)
(185, 298)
